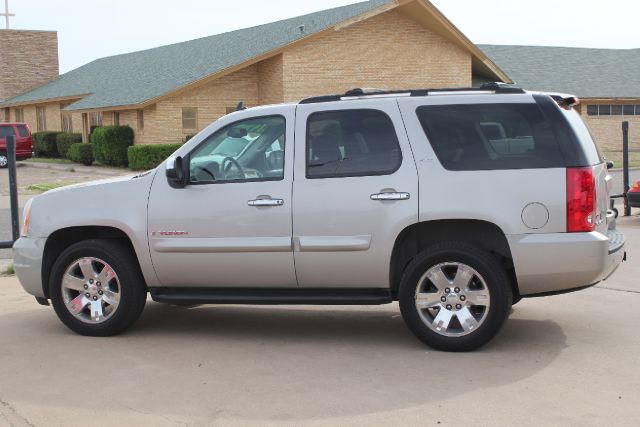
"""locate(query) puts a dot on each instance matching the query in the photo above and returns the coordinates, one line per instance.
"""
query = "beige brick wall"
(52, 114)
(27, 59)
(163, 123)
(389, 51)
(607, 130)
(270, 81)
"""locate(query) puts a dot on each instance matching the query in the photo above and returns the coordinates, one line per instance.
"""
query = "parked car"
(633, 195)
(361, 198)
(24, 142)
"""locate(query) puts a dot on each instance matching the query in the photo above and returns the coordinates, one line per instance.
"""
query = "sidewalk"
(97, 170)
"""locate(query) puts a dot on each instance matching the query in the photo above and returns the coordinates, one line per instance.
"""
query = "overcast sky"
(89, 29)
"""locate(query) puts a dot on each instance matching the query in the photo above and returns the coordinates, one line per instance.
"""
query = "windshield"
(232, 147)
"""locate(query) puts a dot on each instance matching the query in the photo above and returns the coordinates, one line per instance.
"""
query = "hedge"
(44, 144)
(110, 144)
(145, 157)
(81, 153)
(64, 141)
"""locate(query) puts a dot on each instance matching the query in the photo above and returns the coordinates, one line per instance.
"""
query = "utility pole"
(6, 13)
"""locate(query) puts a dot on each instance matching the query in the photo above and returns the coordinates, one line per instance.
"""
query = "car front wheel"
(96, 287)
(455, 296)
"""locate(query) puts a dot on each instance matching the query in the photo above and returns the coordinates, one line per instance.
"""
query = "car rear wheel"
(96, 288)
(455, 296)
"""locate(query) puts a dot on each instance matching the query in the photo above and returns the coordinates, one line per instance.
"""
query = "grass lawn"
(616, 158)
(49, 160)
(46, 186)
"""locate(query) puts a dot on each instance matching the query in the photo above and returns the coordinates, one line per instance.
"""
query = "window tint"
(6, 131)
(351, 143)
(249, 150)
(23, 131)
(491, 136)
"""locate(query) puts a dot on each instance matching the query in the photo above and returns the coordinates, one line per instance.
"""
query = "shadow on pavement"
(260, 363)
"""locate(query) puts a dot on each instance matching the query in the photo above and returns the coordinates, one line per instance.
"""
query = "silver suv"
(457, 203)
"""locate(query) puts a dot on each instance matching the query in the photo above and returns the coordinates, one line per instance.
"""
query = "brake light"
(581, 200)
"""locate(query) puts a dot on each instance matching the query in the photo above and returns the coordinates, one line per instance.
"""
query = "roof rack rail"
(496, 87)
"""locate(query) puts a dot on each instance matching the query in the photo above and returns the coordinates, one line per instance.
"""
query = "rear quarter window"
(23, 131)
(491, 136)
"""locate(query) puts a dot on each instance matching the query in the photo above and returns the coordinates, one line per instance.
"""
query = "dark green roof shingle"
(134, 78)
(587, 73)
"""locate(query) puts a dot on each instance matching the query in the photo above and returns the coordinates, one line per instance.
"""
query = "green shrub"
(110, 144)
(81, 153)
(44, 144)
(64, 141)
(144, 157)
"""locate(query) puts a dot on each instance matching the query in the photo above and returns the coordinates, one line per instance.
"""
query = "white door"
(231, 225)
(355, 190)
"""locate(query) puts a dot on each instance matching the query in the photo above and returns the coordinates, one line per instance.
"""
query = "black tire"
(4, 160)
(496, 281)
(133, 291)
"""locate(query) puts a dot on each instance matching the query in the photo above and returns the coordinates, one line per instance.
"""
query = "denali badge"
(169, 233)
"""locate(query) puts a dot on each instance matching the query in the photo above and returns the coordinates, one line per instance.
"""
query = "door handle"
(265, 202)
(391, 196)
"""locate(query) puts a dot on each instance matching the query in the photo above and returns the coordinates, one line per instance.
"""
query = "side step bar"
(256, 296)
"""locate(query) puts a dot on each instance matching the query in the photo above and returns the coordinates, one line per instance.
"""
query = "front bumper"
(27, 262)
(556, 262)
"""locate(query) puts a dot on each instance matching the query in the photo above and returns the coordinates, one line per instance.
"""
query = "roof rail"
(356, 93)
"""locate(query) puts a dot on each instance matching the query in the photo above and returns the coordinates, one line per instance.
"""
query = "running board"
(256, 296)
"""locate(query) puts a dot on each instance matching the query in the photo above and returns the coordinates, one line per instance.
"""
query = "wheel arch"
(417, 237)
(61, 239)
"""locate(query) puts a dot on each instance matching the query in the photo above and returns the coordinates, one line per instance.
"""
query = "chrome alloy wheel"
(91, 290)
(4, 160)
(452, 299)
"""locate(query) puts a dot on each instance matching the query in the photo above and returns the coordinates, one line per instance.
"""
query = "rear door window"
(351, 143)
(6, 131)
(491, 136)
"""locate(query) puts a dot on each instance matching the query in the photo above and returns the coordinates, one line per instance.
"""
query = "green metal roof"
(587, 73)
(137, 77)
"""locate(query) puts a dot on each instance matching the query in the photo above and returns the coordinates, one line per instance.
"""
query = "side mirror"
(610, 164)
(175, 172)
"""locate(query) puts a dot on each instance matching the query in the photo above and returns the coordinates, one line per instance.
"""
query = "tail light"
(581, 200)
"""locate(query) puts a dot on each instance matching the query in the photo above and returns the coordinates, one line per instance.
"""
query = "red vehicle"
(24, 141)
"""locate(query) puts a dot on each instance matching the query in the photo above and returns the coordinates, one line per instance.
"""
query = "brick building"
(173, 91)
(606, 80)
(27, 59)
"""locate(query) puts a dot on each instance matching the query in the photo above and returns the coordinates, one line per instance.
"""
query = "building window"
(5, 114)
(67, 123)
(140, 120)
(189, 118)
(116, 118)
(95, 120)
(19, 113)
(41, 119)
(613, 110)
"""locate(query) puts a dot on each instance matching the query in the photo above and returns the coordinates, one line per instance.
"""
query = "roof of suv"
(501, 88)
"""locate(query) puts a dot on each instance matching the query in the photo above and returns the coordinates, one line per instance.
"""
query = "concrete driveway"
(564, 360)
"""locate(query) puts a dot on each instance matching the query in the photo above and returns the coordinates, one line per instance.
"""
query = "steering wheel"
(232, 162)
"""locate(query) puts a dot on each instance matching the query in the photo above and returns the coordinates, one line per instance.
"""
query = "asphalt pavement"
(564, 360)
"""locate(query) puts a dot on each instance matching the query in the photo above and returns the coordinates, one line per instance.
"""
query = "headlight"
(26, 213)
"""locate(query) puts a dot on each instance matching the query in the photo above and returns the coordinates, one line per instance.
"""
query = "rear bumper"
(555, 262)
(634, 199)
(27, 262)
